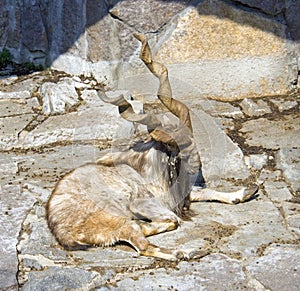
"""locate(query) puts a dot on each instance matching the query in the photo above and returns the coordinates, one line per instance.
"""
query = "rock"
(15, 95)
(57, 97)
(56, 278)
(255, 227)
(144, 20)
(283, 105)
(221, 158)
(216, 108)
(272, 134)
(249, 48)
(34, 34)
(11, 127)
(286, 259)
(256, 161)
(228, 271)
(288, 160)
(292, 216)
(14, 206)
(267, 175)
(277, 191)
(95, 123)
(242, 50)
(255, 108)
(17, 106)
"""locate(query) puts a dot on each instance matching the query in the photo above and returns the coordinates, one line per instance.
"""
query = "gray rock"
(267, 175)
(14, 205)
(216, 108)
(292, 216)
(221, 158)
(56, 278)
(284, 105)
(277, 191)
(11, 127)
(255, 108)
(288, 160)
(34, 34)
(15, 95)
(17, 106)
(282, 263)
(256, 161)
(258, 225)
(271, 7)
(249, 55)
(202, 276)
(57, 97)
(272, 134)
(95, 123)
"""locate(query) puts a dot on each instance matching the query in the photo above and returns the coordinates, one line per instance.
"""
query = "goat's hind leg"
(158, 219)
(205, 194)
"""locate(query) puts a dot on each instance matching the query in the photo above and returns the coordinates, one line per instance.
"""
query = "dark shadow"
(41, 30)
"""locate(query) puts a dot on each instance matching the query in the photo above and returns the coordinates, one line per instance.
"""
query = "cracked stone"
(257, 223)
(91, 124)
(277, 191)
(267, 175)
(14, 205)
(282, 263)
(284, 105)
(216, 108)
(17, 106)
(57, 97)
(288, 160)
(256, 161)
(236, 236)
(273, 134)
(255, 107)
(56, 278)
(15, 95)
(202, 274)
(10, 128)
(220, 156)
(292, 214)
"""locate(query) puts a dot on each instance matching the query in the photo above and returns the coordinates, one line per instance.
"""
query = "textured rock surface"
(252, 246)
(240, 48)
(57, 97)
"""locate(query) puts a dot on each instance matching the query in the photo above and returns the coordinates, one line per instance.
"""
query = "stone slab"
(100, 123)
(256, 161)
(273, 134)
(14, 205)
(57, 97)
(10, 129)
(292, 216)
(288, 160)
(277, 191)
(17, 107)
(202, 277)
(255, 107)
(221, 158)
(283, 105)
(282, 263)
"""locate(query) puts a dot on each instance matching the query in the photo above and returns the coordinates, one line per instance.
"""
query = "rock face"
(222, 49)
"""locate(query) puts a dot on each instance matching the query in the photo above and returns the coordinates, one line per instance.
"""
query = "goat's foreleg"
(205, 194)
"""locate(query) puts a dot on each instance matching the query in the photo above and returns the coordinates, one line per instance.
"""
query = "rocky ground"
(51, 122)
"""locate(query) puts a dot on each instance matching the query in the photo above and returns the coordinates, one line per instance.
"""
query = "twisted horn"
(164, 92)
